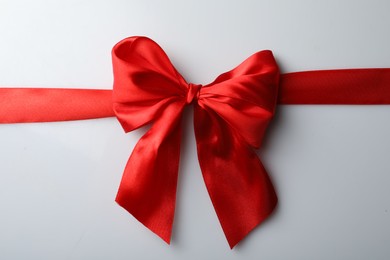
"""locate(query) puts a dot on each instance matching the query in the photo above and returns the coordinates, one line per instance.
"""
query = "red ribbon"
(230, 117)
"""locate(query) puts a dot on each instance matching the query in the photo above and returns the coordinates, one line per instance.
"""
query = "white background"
(330, 164)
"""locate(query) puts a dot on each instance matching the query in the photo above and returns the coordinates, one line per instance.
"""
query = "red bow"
(230, 118)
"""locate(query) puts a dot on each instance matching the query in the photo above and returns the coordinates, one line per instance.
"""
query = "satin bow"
(230, 117)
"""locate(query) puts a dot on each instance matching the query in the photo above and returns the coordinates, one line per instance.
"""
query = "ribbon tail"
(148, 186)
(239, 187)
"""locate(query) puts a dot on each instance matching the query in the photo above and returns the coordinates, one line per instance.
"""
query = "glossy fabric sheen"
(341, 87)
(28, 105)
(231, 115)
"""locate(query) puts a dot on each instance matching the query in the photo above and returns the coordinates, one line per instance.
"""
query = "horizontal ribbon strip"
(327, 87)
(27, 105)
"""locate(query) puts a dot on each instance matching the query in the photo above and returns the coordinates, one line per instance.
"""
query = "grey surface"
(330, 164)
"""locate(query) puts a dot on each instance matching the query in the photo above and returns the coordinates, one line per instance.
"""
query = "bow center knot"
(193, 92)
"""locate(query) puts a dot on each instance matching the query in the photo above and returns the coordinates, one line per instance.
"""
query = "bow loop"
(145, 82)
(245, 97)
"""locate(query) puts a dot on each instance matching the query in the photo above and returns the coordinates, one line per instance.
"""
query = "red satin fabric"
(342, 87)
(231, 115)
(230, 118)
(27, 105)
(326, 87)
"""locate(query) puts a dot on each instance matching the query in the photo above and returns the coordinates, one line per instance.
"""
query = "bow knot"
(193, 92)
(229, 120)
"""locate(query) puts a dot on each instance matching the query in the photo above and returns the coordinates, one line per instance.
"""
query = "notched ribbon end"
(163, 231)
(269, 210)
